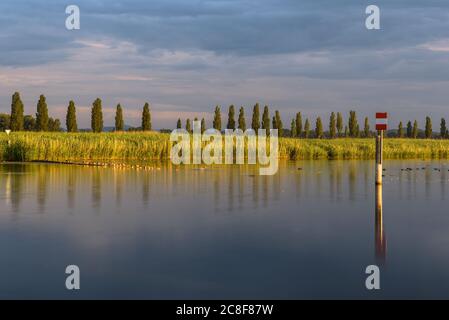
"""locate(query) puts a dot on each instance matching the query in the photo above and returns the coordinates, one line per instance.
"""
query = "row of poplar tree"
(298, 129)
(17, 121)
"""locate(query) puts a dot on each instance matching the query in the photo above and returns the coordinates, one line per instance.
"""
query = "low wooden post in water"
(379, 148)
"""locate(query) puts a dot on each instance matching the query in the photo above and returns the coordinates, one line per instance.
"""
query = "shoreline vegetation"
(83, 148)
(41, 138)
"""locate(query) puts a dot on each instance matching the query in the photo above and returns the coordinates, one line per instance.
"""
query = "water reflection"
(228, 188)
(380, 239)
(196, 232)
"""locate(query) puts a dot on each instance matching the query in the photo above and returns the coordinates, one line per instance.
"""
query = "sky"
(186, 56)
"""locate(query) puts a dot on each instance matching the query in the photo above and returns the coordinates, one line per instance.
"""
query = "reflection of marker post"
(381, 125)
(380, 240)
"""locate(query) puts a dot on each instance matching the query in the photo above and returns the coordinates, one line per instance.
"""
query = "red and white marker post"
(381, 126)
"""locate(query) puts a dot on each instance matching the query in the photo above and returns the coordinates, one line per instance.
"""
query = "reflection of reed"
(241, 188)
(71, 187)
(428, 180)
(217, 182)
(96, 188)
(42, 184)
(265, 191)
(339, 182)
(118, 181)
(352, 181)
(331, 169)
(380, 240)
(146, 183)
(231, 190)
(443, 184)
(16, 190)
(366, 175)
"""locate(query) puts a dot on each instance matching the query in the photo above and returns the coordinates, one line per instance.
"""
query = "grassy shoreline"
(127, 146)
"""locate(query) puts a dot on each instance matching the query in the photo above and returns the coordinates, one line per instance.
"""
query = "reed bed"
(140, 146)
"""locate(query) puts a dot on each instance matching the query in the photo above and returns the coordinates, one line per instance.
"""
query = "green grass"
(74, 147)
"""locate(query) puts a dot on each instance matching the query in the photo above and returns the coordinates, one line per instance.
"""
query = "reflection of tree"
(277, 184)
(71, 187)
(96, 188)
(380, 239)
(118, 181)
(42, 184)
(265, 191)
(241, 188)
(231, 190)
(15, 190)
(331, 168)
(352, 181)
(339, 182)
(428, 180)
(216, 189)
(255, 189)
(146, 188)
(443, 184)
(366, 179)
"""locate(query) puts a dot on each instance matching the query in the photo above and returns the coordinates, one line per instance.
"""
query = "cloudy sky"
(186, 56)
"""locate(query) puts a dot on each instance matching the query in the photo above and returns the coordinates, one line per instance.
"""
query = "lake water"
(225, 232)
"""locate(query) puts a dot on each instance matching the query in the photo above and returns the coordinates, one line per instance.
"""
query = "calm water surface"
(225, 232)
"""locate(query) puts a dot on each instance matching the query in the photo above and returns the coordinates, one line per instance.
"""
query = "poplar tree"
(428, 130)
(279, 125)
(203, 125)
(443, 129)
(366, 128)
(188, 126)
(217, 119)
(332, 126)
(306, 129)
(42, 114)
(97, 116)
(299, 124)
(179, 124)
(16, 120)
(415, 130)
(255, 123)
(70, 119)
(353, 124)
(293, 129)
(242, 121)
(146, 117)
(318, 128)
(400, 130)
(266, 120)
(231, 118)
(409, 129)
(339, 124)
(119, 122)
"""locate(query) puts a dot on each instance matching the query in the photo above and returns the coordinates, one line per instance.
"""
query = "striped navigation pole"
(381, 126)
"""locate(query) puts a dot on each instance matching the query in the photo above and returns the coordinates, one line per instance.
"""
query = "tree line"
(17, 121)
(303, 129)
